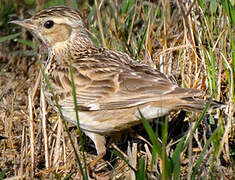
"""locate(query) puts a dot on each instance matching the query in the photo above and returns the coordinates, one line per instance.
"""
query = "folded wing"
(110, 80)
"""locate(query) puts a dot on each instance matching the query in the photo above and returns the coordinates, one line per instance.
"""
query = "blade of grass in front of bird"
(9, 37)
(25, 42)
(154, 157)
(76, 112)
(154, 150)
(164, 155)
(159, 147)
(176, 158)
(167, 166)
(156, 144)
(62, 116)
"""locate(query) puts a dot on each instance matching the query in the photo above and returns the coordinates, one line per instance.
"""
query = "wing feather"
(115, 81)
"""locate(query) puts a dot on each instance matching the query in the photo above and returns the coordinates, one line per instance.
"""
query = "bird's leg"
(99, 142)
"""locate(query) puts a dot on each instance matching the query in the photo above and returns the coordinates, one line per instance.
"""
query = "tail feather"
(196, 104)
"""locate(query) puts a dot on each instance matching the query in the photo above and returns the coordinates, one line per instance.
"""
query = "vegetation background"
(191, 41)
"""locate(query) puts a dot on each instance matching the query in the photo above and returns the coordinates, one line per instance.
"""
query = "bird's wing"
(114, 81)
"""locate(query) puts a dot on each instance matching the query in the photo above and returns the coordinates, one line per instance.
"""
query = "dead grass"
(190, 43)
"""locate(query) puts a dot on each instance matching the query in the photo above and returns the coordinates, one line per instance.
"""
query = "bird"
(113, 89)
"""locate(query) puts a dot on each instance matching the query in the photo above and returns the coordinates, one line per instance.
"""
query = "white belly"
(108, 121)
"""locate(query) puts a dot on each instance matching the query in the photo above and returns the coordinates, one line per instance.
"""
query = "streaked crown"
(59, 11)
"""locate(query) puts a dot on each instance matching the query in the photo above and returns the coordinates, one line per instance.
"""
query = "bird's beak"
(27, 23)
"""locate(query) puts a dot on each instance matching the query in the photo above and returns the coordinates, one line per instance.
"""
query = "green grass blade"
(142, 40)
(77, 117)
(229, 9)
(159, 147)
(166, 162)
(154, 157)
(62, 116)
(57, 176)
(212, 71)
(156, 143)
(127, 6)
(202, 115)
(176, 158)
(26, 42)
(202, 154)
(141, 173)
(9, 37)
(68, 176)
(120, 155)
(2, 174)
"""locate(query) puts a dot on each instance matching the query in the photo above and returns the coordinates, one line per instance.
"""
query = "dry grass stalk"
(98, 6)
(57, 152)
(32, 131)
(132, 159)
(44, 129)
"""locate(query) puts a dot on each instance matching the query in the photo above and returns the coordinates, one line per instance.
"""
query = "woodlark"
(110, 85)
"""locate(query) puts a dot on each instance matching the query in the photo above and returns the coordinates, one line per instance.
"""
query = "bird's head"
(57, 27)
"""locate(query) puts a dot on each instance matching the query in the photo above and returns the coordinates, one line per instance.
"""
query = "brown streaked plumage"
(110, 85)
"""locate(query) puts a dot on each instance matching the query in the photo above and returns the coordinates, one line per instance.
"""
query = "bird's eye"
(49, 24)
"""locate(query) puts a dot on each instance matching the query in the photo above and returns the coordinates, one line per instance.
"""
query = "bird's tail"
(198, 105)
